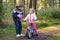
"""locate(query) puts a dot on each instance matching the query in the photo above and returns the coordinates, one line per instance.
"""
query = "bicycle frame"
(30, 32)
(31, 29)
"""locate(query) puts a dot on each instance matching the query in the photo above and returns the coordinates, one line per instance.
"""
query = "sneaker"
(21, 34)
(17, 35)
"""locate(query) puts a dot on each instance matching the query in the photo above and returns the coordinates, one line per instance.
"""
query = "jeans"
(18, 26)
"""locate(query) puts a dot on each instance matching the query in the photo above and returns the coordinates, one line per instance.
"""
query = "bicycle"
(30, 32)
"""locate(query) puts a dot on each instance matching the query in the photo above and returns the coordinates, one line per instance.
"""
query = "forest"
(48, 18)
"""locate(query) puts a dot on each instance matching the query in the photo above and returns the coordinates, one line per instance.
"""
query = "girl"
(31, 18)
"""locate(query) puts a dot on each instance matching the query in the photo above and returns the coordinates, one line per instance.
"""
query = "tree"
(34, 4)
(30, 5)
(0, 9)
(23, 2)
(52, 1)
(59, 3)
(44, 2)
(14, 3)
(49, 2)
(1, 14)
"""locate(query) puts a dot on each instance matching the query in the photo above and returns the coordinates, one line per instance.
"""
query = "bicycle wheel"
(29, 34)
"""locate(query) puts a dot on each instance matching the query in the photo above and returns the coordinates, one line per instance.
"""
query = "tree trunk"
(1, 14)
(52, 1)
(14, 3)
(49, 2)
(27, 3)
(30, 5)
(23, 2)
(0, 6)
(59, 3)
(34, 4)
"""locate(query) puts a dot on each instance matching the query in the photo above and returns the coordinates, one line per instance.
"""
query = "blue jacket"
(15, 13)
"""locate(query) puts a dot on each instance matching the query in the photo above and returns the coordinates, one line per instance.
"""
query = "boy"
(17, 12)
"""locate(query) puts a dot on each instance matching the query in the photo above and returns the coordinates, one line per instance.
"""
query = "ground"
(48, 33)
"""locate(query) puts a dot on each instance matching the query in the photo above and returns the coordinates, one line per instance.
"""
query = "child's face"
(30, 11)
(21, 8)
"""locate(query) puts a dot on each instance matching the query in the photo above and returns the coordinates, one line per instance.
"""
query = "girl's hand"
(24, 21)
(34, 20)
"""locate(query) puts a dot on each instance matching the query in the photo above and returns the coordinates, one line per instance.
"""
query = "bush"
(56, 13)
(44, 24)
(1, 14)
(48, 13)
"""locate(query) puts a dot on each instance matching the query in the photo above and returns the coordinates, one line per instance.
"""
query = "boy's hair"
(32, 10)
(16, 7)
(21, 5)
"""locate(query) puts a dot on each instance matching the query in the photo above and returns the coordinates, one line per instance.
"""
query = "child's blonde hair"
(32, 10)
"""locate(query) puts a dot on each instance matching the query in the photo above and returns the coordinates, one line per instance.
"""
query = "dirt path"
(42, 36)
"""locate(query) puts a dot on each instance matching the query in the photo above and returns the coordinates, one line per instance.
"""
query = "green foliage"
(5, 13)
(43, 24)
(56, 13)
(54, 22)
(2, 31)
(1, 14)
(48, 13)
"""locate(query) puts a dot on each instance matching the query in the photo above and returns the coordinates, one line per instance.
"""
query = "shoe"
(36, 35)
(17, 35)
(21, 34)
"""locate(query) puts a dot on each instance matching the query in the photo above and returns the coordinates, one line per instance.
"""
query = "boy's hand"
(20, 16)
(18, 19)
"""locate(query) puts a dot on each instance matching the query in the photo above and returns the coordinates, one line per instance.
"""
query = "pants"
(18, 26)
(34, 27)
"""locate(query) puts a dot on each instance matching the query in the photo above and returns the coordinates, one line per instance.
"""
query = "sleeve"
(26, 17)
(14, 14)
(35, 18)
(23, 13)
